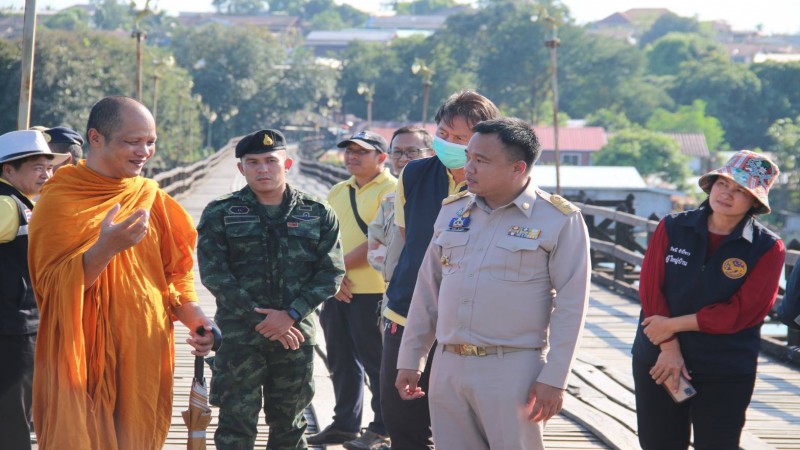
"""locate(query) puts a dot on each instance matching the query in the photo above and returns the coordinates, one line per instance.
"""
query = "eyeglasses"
(411, 153)
(357, 152)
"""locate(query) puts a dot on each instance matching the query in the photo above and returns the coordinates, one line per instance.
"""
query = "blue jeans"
(354, 347)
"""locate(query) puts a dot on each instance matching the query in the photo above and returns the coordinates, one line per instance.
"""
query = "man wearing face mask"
(422, 186)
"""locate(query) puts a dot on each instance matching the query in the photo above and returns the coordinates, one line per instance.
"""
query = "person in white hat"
(709, 277)
(26, 162)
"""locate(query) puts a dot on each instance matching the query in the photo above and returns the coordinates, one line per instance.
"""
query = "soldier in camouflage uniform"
(270, 255)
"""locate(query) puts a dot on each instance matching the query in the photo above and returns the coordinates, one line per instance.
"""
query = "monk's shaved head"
(106, 115)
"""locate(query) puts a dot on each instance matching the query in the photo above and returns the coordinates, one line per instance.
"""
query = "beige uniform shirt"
(385, 241)
(516, 276)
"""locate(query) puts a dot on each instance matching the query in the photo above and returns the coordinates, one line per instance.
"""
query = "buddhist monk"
(111, 266)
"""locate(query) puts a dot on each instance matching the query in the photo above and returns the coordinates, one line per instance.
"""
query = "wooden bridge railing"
(179, 180)
(615, 264)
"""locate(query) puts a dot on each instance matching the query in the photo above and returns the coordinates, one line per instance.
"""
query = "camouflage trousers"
(245, 375)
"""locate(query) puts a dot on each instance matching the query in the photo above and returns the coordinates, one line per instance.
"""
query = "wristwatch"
(294, 314)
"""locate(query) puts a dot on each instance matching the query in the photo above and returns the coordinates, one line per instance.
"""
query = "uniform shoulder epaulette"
(225, 197)
(561, 203)
(454, 197)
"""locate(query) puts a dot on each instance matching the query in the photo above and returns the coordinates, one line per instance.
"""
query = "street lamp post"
(368, 91)
(553, 44)
(26, 70)
(420, 68)
(139, 35)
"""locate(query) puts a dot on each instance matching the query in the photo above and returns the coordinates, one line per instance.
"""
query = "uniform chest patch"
(239, 209)
(28, 214)
(306, 216)
(734, 268)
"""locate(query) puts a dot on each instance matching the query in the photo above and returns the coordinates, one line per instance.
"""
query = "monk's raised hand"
(125, 234)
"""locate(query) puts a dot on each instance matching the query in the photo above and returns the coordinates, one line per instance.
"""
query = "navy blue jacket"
(18, 311)
(425, 185)
(694, 280)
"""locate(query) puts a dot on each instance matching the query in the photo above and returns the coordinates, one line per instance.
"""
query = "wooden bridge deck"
(599, 409)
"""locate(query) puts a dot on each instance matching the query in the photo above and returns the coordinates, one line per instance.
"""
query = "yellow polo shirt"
(366, 280)
(400, 198)
(9, 217)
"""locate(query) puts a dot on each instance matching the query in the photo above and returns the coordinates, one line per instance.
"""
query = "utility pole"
(26, 75)
(140, 35)
(553, 44)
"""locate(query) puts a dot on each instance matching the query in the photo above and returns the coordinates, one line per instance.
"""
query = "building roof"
(344, 37)
(692, 144)
(585, 139)
(276, 23)
(588, 177)
(406, 22)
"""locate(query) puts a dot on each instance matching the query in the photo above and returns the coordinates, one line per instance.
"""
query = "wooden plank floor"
(603, 361)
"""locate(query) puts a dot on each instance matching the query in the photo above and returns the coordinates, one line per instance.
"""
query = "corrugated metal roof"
(692, 144)
(588, 177)
(586, 139)
(318, 37)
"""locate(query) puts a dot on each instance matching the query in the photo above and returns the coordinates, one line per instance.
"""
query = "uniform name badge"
(460, 222)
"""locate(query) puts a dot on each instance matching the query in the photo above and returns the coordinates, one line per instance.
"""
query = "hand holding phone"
(685, 390)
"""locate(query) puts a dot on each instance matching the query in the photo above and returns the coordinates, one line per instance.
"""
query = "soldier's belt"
(474, 350)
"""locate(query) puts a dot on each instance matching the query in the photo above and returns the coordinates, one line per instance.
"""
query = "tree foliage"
(665, 56)
(669, 23)
(239, 7)
(423, 7)
(650, 152)
(689, 119)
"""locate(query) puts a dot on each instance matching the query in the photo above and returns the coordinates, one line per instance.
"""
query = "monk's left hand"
(545, 401)
(202, 344)
(658, 329)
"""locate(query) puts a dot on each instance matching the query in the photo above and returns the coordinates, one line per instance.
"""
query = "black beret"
(261, 141)
(62, 135)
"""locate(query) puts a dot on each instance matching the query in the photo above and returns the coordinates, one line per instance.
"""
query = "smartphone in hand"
(685, 390)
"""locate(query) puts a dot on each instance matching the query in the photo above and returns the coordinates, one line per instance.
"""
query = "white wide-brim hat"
(22, 144)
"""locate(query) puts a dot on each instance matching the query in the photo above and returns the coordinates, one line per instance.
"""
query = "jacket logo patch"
(28, 214)
(734, 268)
(238, 210)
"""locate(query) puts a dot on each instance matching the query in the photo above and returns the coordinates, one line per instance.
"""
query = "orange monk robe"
(104, 360)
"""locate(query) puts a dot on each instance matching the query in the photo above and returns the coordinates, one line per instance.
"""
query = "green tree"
(650, 152)
(73, 19)
(246, 80)
(665, 56)
(733, 95)
(609, 118)
(784, 135)
(10, 57)
(689, 119)
(112, 14)
(780, 92)
(239, 7)
(423, 7)
(669, 23)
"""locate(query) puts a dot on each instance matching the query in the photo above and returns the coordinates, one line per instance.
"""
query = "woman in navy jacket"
(709, 277)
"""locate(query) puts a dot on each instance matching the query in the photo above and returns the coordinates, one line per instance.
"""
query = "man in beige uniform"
(503, 288)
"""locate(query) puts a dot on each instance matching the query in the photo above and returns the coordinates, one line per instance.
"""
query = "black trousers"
(716, 414)
(16, 381)
(407, 421)
(354, 347)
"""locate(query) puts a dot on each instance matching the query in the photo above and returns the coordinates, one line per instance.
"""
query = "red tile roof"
(586, 139)
(692, 144)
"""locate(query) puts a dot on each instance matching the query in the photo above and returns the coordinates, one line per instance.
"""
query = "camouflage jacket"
(248, 260)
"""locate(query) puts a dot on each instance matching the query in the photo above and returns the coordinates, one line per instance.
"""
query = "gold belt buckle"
(470, 350)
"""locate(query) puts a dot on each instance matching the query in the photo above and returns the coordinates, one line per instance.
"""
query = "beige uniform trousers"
(479, 402)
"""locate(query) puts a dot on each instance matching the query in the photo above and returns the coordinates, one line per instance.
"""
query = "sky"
(776, 16)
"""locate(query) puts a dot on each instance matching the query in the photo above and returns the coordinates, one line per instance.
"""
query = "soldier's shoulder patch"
(455, 197)
(560, 203)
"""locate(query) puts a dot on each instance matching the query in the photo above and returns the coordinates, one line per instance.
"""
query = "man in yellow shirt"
(25, 164)
(349, 320)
